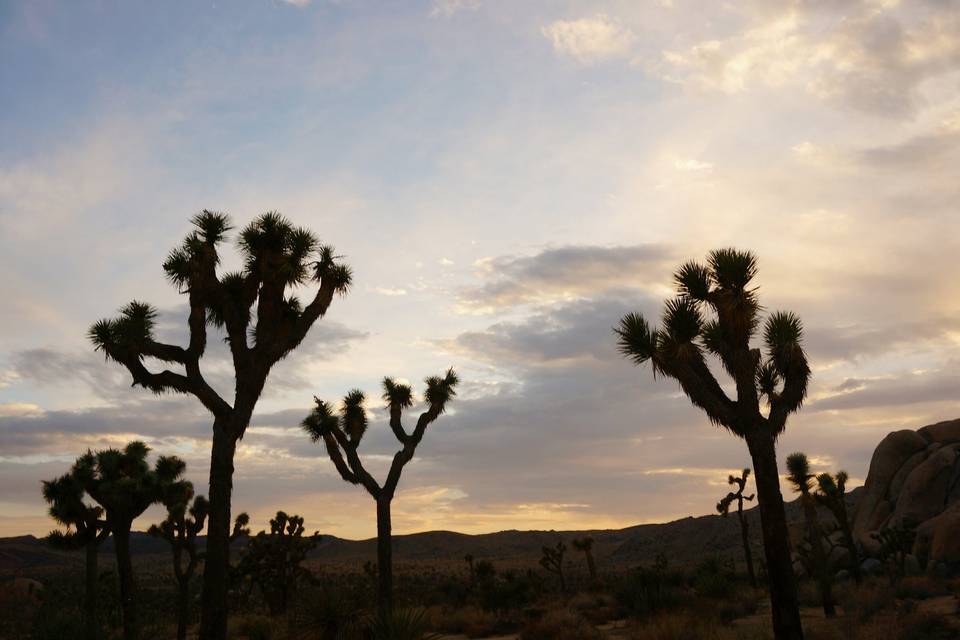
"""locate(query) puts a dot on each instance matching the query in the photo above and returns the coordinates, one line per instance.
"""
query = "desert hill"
(684, 541)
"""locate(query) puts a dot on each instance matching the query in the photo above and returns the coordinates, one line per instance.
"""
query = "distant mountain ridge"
(684, 541)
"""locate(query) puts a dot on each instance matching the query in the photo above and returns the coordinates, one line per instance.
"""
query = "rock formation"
(914, 479)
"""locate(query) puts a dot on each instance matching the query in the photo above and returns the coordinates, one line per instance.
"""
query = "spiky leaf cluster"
(717, 312)
(798, 473)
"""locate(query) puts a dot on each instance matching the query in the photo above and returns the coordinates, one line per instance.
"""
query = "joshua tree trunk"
(121, 542)
(748, 556)
(384, 559)
(819, 557)
(216, 566)
(773, 523)
(591, 566)
(183, 607)
(852, 547)
(90, 597)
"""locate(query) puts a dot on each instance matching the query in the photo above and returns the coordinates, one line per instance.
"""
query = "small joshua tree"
(185, 519)
(341, 437)
(469, 560)
(832, 492)
(263, 324)
(85, 529)
(723, 507)
(552, 561)
(802, 480)
(272, 560)
(722, 289)
(585, 544)
(124, 485)
(896, 542)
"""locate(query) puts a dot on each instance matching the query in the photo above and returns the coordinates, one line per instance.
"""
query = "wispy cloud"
(590, 40)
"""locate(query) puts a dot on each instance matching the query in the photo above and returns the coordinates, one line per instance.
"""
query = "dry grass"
(561, 625)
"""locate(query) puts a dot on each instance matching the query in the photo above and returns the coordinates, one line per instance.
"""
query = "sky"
(506, 179)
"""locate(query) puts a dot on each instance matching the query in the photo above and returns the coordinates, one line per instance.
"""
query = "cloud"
(870, 57)
(565, 273)
(905, 389)
(590, 40)
(447, 8)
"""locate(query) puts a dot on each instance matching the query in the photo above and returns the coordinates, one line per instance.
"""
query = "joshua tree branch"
(336, 456)
(356, 465)
(405, 455)
(698, 382)
(167, 380)
(396, 415)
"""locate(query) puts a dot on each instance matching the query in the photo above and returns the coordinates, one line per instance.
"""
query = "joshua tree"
(469, 560)
(802, 480)
(342, 437)
(721, 289)
(272, 560)
(262, 324)
(180, 528)
(896, 542)
(723, 507)
(124, 485)
(85, 529)
(832, 494)
(585, 544)
(552, 561)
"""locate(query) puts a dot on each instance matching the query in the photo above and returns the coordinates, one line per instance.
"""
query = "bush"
(472, 622)
(255, 628)
(644, 591)
(560, 625)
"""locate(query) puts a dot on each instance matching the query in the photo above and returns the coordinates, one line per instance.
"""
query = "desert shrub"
(470, 621)
(644, 591)
(323, 613)
(508, 592)
(739, 603)
(926, 627)
(691, 625)
(864, 602)
(404, 624)
(560, 625)
(919, 588)
(254, 628)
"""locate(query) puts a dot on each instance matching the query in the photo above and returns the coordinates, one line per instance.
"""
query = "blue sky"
(506, 180)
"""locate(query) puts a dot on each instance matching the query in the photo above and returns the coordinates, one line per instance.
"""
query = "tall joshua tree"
(585, 544)
(802, 480)
(341, 437)
(85, 529)
(717, 312)
(832, 492)
(124, 485)
(262, 324)
(185, 519)
(723, 507)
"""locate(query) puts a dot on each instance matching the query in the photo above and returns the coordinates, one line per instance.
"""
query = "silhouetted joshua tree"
(262, 323)
(832, 494)
(802, 480)
(469, 560)
(585, 544)
(552, 561)
(678, 350)
(723, 507)
(342, 438)
(272, 560)
(85, 529)
(124, 485)
(184, 521)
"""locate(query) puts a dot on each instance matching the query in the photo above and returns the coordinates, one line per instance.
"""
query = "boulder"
(911, 566)
(925, 490)
(938, 539)
(871, 566)
(947, 431)
(914, 478)
(890, 455)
